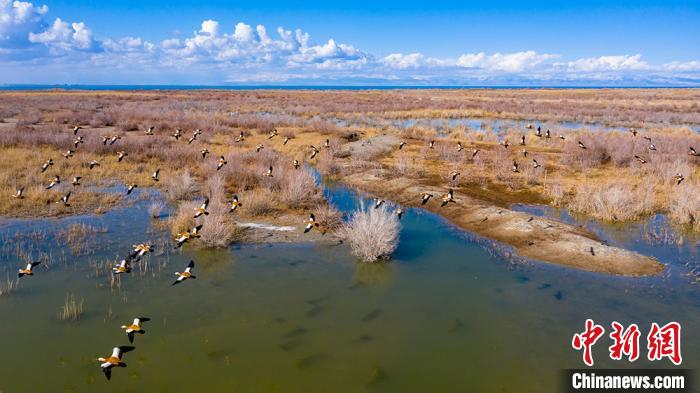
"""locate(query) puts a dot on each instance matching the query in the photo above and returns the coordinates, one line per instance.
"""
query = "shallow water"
(447, 314)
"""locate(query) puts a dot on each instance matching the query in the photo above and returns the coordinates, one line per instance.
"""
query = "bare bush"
(371, 233)
(299, 189)
(181, 187)
(613, 202)
(684, 205)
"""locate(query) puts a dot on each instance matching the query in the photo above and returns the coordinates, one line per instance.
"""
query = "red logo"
(662, 342)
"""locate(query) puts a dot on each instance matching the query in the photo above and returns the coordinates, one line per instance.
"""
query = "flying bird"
(204, 153)
(113, 361)
(640, 159)
(447, 198)
(431, 144)
(378, 202)
(515, 167)
(130, 188)
(581, 145)
(535, 164)
(114, 139)
(135, 327)
(235, 204)
(28, 270)
(121, 155)
(141, 250)
(149, 131)
(295, 163)
(286, 139)
(202, 209)
(19, 193)
(314, 151)
(93, 164)
(177, 134)
(401, 145)
(68, 154)
(425, 197)
(155, 174)
(240, 138)
(268, 173)
(220, 163)
(310, 223)
(182, 276)
(459, 146)
(64, 199)
(693, 152)
(56, 180)
(522, 140)
(124, 266)
(76, 180)
(453, 175)
(399, 213)
(76, 129)
(78, 141)
(273, 134)
(46, 165)
(475, 152)
(259, 147)
(183, 237)
(633, 131)
(679, 178)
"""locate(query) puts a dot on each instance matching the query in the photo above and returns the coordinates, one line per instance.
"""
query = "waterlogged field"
(449, 313)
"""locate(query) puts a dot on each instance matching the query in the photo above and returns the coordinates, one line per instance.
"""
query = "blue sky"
(360, 42)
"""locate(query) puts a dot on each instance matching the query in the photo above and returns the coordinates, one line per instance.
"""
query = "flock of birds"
(140, 250)
(515, 168)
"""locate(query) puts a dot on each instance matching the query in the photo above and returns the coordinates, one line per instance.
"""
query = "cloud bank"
(35, 48)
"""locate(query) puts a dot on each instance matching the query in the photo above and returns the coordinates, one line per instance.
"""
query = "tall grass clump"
(684, 205)
(8, 286)
(613, 202)
(371, 233)
(72, 309)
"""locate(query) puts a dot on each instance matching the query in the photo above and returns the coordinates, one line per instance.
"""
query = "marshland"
(566, 204)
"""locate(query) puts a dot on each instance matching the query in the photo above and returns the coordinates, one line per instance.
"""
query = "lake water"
(447, 314)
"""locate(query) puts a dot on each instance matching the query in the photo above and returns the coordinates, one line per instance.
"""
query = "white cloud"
(402, 62)
(608, 63)
(508, 62)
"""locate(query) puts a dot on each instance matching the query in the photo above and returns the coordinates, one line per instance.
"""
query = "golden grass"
(603, 180)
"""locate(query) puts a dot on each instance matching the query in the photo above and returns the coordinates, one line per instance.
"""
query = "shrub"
(684, 205)
(371, 233)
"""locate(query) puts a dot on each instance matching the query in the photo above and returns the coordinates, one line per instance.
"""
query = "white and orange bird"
(447, 198)
(310, 223)
(124, 266)
(121, 155)
(76, 129)
(295, 164)
(268, 173)
(177, 134)
(78, 141)
(204, 153)
(56, 180)
(259, 147)
(19, 193)
(273, 133)
(240, 138)
(93, 164)
(46, 165)
(202, 209)
(134, 328)
(130, 188)
(235, 204)
(149, 131)
(115, 360)
(187, 274)
(64, 200)
(425, 197)
(28, 270)
(314, 151)
(155, 174)
(68, 154)
(220, 163)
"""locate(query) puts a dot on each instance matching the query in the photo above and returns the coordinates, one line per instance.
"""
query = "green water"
(447, 314)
